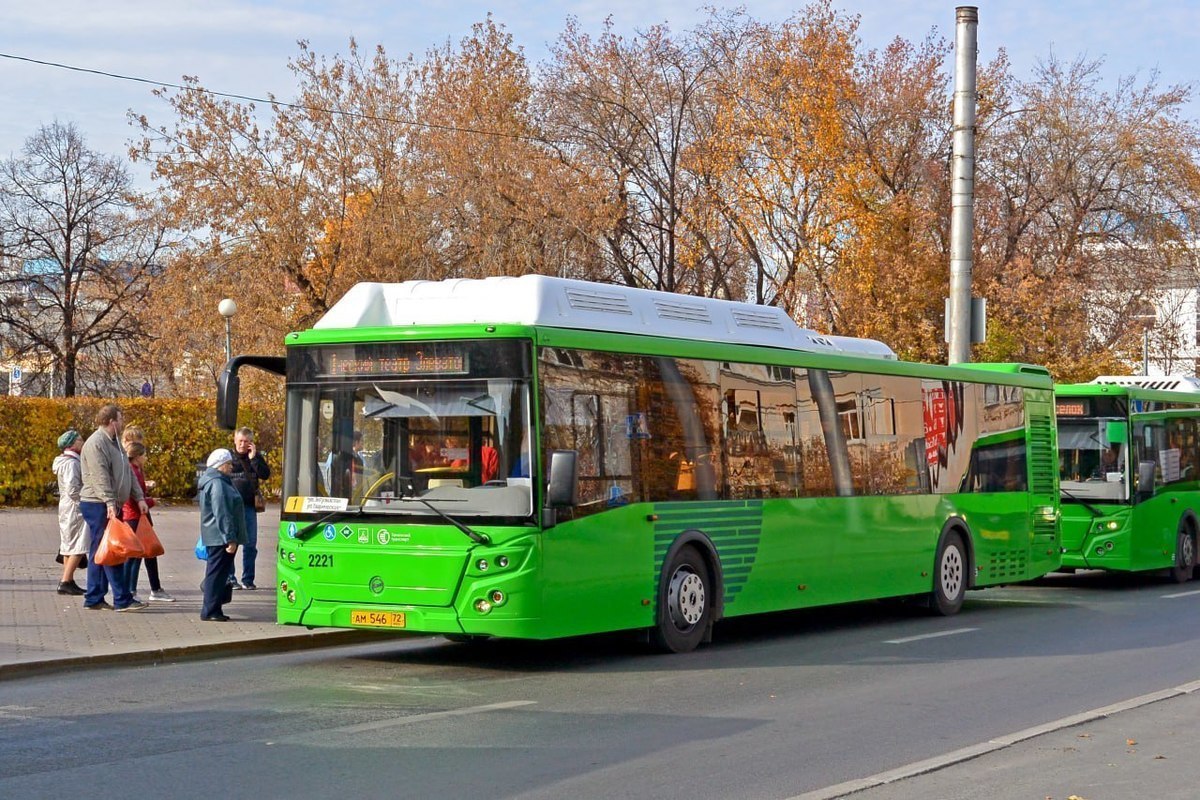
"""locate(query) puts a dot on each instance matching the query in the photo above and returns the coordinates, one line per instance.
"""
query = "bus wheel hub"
(685, 598)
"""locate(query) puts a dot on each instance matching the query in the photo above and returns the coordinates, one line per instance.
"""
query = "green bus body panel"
(601, 572)
(1087, 544)
(1129, 536)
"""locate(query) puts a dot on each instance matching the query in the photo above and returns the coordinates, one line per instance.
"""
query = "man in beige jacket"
(107, 483)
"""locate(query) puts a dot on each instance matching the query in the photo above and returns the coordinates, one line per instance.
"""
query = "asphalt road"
(778, 706)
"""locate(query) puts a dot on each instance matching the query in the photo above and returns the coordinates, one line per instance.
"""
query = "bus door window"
(1151, 452)
(335, 435)
(588, 407)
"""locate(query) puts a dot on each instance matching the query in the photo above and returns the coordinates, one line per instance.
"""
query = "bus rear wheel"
(685, 603)
(1185, 557)
(950, 576)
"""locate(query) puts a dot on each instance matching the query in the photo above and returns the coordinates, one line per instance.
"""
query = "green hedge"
(178, 434)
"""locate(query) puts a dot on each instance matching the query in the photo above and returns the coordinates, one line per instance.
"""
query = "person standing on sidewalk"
(136, 451)
(222, 529)
(249, 467)
(107, 483)
(133, 435)
(72, 530)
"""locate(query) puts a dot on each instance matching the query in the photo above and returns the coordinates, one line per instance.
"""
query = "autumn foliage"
(178, 435)
(779, 163)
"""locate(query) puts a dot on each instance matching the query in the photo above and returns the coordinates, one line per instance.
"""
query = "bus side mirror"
(227, 399)
(1145, 487)
(562, 490)
(1117, 432)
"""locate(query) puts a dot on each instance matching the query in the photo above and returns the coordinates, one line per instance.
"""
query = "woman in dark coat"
(222, 529)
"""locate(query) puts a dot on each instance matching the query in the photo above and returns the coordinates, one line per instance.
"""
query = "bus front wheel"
(685, 603)
(1185, 557)
(950, 576)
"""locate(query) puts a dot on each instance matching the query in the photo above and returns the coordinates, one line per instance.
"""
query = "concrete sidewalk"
(42, 630)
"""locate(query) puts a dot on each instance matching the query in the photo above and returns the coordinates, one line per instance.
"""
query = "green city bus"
(537, 457)
(1128, 459)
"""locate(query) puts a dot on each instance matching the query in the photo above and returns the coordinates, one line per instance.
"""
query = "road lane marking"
(1181, 594)
(7, 712)
(1021, 600)
(412, 719)
(992, 745)
(937, 635)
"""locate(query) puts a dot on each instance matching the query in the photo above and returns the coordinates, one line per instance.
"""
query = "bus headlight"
(502, 561)
(481, 565)
(498, 597)
(483, 606)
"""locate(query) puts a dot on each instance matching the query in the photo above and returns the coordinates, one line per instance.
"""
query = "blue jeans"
(133, 568)
(100, 578)
(250, 549)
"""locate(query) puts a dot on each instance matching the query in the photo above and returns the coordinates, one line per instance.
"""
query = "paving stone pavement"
(41, 629)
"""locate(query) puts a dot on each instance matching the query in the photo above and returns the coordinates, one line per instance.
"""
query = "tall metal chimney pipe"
(962, 183)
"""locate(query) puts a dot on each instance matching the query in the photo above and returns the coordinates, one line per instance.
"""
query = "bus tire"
(685, 603)
(949, 575)
(1185, 555)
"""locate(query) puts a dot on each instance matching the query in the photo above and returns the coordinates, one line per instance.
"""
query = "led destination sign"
(412, 362)
(1072, 408)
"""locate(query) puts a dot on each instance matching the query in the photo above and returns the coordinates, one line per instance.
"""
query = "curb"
(166, 655)
(992, 745)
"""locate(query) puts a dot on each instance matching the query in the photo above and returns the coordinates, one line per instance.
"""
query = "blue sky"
(242, 46)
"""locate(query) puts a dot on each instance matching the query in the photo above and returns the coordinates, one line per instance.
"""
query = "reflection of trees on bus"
(731, 430)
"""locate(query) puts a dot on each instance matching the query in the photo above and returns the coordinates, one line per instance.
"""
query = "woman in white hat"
(222, 529)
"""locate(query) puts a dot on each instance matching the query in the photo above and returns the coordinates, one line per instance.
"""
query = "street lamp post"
(1148, 319)
(227, 309)
(1146, 351)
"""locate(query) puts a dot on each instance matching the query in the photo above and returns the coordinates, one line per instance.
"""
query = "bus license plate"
(377, 619)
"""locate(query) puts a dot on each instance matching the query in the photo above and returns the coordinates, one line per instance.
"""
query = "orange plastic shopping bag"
(118, 545)
(151, 544)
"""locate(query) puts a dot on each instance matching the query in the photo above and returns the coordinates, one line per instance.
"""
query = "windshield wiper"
(475, 536)
(1095, 511)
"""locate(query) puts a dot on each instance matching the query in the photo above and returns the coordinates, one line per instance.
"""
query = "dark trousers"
(134, 566)
(216, 575)
(100, 578)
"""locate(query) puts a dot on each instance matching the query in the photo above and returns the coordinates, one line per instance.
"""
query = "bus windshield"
(1091, 467)
(462, 444)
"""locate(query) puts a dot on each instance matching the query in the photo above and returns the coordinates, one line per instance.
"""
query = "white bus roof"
(563, 303)
(1172, 383)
